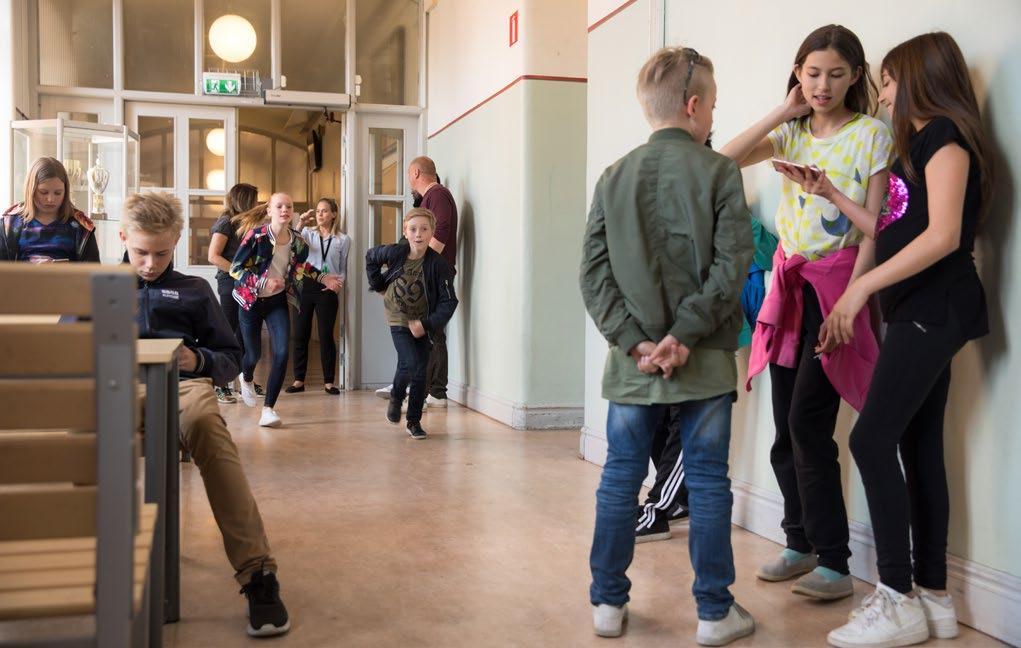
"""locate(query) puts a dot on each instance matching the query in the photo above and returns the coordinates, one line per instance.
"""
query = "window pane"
(156, 162)
(312, 52)
(92, 118)
(386, 150)
(236, 52)
(207, 145)
(76, 43)
(159, 45)
(255, 162)
(202, 213)
(386, 222)
(292, 173)
(387, 51)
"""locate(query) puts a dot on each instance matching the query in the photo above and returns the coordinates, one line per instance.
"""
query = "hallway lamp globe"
(216, 142)
(232, 38)
(216, 180)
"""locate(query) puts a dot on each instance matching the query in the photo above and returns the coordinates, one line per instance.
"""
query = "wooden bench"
(75, 536)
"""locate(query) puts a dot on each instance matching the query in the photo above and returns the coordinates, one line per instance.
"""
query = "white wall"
(514, 164)
(983, 435)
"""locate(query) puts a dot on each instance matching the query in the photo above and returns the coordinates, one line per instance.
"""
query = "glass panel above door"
(312, 51)
(387, 46)
(76, 43)
(237, 39)
(159, 46)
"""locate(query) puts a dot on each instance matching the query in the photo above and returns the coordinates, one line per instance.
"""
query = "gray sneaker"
(781, 570)
(815, 585)
(738, 623)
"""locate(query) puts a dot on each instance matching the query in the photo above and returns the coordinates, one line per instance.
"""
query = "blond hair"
(152, 213)
(661, 82)
(246, 221)
(421, 212)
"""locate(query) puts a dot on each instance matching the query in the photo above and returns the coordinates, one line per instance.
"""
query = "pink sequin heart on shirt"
(895, 205)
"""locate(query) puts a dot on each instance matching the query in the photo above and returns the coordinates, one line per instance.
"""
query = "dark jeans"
(273, 311)
(804, 454)
(705, 433)
(436, 372)
(669, 490)
(324, 303)
(412, 360)
(230, 308)
(904, 410)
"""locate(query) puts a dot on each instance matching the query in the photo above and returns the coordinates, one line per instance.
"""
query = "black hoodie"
(177, 305)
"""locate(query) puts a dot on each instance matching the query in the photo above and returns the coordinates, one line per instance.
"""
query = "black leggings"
(323, 302)
(804, 454)
(904, 410)
(230, 310)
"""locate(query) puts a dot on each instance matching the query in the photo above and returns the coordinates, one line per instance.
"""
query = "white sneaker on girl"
(248, 392)
(269, 418)
(888, 620)
(939, 613)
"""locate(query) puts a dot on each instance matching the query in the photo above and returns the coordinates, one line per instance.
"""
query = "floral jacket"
(252, 261)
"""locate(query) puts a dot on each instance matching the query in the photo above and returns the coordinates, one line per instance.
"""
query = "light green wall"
(554, 205)
(480, 158)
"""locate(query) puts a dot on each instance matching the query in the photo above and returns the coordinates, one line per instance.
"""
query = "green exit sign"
(218, 83)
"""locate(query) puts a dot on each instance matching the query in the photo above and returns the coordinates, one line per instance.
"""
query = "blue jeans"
(273, 311)
(705, 436)
(412, 362)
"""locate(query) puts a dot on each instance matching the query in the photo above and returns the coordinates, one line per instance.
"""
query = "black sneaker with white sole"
(416, 431)
(679, 516)
(393, 412)
(658, 529)
(267, 615)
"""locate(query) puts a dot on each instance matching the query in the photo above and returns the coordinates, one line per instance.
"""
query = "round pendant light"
(216, 142)
(216, 180)
(232, 38)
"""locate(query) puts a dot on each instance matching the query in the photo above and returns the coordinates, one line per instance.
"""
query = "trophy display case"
(102, 168)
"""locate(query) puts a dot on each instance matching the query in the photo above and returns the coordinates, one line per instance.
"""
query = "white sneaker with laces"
(247, 392)
(890, 619)
(608, 620)
(269, 418)
(939, 613)
(435, 402)
(384, 392)
(738, 623)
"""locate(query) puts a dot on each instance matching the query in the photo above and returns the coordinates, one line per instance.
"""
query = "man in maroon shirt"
(437, 199)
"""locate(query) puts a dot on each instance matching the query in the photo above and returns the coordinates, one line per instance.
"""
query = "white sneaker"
(435, 402)
(404, 406)
(890, 619)
(384, 392)
(608, 620)
(939, 614)
(738, 623)
(269, 418)
(247, 392)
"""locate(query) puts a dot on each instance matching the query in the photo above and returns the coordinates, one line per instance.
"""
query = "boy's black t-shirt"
(951, 282)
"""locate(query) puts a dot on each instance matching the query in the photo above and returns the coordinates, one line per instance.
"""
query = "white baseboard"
(986, 599)
(515, 415)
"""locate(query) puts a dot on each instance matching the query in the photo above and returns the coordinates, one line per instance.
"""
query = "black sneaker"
(416, 431)
(259, 391)
(680, 515)
(658, 530)
(267, 615)
(224, 395)
(393, 412)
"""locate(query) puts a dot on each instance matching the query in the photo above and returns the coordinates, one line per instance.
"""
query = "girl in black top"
(223, 245)
(933, 303)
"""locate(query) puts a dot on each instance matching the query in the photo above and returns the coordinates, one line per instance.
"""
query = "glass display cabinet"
(102, 169)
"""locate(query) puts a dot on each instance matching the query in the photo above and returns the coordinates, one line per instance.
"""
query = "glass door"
(191, 152)
(386, 143)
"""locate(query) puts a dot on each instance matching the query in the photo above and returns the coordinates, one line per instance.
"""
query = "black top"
(225, 227)
(951, 282)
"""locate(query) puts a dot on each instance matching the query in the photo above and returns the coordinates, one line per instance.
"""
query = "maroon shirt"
(440, 202)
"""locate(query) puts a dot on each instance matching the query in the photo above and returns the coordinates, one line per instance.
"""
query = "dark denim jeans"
(273, 311)
(412, 361)
(705, 436)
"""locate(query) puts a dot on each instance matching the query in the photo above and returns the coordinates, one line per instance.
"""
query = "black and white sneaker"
(267, 615)
(416, 431)
(393, 412)
(679, 516)
(650, 531)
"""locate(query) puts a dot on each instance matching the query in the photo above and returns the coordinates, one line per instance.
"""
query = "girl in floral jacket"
(268, 269)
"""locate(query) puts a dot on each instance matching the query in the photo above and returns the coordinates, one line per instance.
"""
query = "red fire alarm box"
(513, 28)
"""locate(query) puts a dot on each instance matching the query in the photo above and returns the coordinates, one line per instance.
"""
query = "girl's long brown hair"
(241, 197)
(47, 168)
(932, 81)
(248, 220)
(861, 96)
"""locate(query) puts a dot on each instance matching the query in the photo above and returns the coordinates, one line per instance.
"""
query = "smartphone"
(804, 168)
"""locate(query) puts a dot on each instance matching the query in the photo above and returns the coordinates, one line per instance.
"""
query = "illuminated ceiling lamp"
(232, 38)
(216, 180)
(216, 142)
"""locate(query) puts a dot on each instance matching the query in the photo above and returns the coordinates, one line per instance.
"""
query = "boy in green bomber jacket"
(666, 253)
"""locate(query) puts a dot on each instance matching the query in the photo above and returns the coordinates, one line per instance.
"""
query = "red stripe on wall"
(611, 14)
(526, 77)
